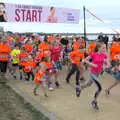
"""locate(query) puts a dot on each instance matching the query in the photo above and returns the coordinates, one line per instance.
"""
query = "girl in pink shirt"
(99, 57)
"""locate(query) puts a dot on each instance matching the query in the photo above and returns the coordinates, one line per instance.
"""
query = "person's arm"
(107, 61)
(86, 60)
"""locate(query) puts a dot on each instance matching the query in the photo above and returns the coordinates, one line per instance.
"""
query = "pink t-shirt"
(55, 53)
(98, 59)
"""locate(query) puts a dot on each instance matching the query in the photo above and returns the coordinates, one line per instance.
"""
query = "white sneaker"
(51, 89)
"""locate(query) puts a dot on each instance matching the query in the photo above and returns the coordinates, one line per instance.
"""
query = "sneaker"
(34, 92)
(57, 84)
(51, 89)
(20, 77)
(67, 81)
(94, 105)
(14, 77)
(78, 91)
(26, 79)
(45, 95)
(49, 84)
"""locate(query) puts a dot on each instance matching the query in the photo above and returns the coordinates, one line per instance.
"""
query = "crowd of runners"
(34, 57)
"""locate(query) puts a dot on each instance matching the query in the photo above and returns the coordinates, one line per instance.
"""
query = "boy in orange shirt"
(23, 58)
(44, 46)
(28, 68)
(76, 58)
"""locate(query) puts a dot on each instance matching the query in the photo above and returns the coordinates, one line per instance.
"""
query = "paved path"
(66, 106)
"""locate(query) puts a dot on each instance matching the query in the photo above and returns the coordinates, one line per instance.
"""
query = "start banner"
(34, 13)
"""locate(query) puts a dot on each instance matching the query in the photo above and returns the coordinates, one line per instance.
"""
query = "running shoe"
(51, 89)
(45, 95)
(78, 91)
(94, 105)
(67, 81)
(20, 77)
(57, 84)
(34, 92)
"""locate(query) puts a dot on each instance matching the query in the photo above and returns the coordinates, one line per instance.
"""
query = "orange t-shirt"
(28, 47)
(115, 50)
(23, 56)
(5, 50)
(91, 48)
(51, 38)
(76, 45)
(44, 46)
(76, 57)
(29, 66)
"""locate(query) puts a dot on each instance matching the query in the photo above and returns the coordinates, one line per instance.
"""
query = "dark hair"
(77, 38)
(51, 8)
(16, 45)
(2, 4)
(98, 46)
(46, 38)
(44, 59)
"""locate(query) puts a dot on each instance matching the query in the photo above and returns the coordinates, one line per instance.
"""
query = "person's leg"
(87, 84)
(99, 89)
(20, 71)
(56, 78)
(72, 71)
(27, 78)
(32, 74)
(49, 82)
(44, 88)
(0, 68)
(4, 69)
(77, 76)
(14, 70)
(35, 89)
(57, 73)
(112, 86)
(82, 79)
(78, 89)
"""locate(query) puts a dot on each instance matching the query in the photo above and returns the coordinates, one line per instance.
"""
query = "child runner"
(98, 59)
(29, 66)
(76, 58)
(41, 77)
(56, 51)
(23, 58)
(15, 59)
(117, 77)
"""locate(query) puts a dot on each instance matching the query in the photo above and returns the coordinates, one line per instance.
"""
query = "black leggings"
(74, 69)
(28, 75)
(99, 89)
(3, 66)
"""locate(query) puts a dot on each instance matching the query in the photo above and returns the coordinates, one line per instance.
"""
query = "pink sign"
(32, 13)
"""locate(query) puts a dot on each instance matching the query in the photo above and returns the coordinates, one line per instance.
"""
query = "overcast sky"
(108, 10)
